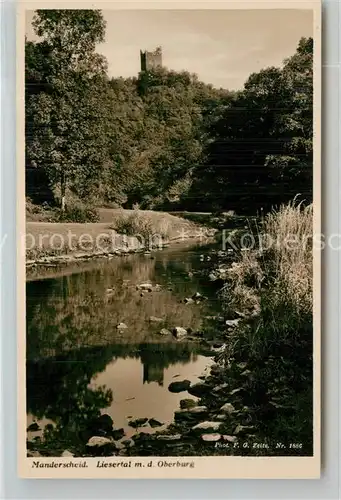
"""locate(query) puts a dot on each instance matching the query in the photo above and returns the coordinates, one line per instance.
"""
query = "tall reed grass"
(273, 283)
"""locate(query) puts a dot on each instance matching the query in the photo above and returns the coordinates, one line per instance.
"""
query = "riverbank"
(256, 399)
(50, 244)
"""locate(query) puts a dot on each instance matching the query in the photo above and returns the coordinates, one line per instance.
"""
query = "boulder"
(104, 422)
(191, 413)
(230, 439)
(164, 331)
(221, 388)
(228, 408)
(179, 332)
(199, 389)
(207, 426)
(121, 326)
(197, 409)
(117, 434)
(189, 300)
(138, 422)
(216, 369)
(232, 323)
(141, 436)
(119, 445)
(99, 442)
(128, 443)
(243, 429)
(179, 386)
(221, 417)
(154, 423)
(187, 403)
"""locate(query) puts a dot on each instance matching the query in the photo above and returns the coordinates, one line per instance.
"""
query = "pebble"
(210, 437)
(169, 437)
(228, 408)
(99, 441)
(67, 453)
(154, 319)
(230, 439)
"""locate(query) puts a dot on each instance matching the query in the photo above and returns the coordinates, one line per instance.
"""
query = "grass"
(274, 280)
(273, 286)
(48, 238)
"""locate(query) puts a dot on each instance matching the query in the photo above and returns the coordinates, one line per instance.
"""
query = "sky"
(221, 46)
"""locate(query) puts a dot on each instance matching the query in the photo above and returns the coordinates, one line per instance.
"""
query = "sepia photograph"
(170, 198)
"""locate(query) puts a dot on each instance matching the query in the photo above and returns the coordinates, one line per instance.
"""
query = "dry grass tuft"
(149, 230)
(274, 280)
(292, 263)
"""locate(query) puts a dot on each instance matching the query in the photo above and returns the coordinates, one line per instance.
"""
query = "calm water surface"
(79, 363)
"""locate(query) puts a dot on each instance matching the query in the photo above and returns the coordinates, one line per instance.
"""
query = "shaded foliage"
(163, 139)
(261, 149)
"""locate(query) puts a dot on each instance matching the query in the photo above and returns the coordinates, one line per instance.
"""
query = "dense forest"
(161, 139)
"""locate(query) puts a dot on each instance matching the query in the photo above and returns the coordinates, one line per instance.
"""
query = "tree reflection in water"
(72, 334)
(59, 389)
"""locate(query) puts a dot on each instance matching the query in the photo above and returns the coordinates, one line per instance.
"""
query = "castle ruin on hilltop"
(151, 60)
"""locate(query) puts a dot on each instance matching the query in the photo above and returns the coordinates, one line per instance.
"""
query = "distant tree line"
(162, 139)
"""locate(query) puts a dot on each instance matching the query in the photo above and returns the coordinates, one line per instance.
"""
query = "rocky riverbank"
(226, 419)
(226, 416)
(251, 403)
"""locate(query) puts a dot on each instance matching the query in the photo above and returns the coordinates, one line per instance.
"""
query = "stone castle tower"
(151, 60)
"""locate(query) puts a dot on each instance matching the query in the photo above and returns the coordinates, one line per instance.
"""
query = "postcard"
(169, 239)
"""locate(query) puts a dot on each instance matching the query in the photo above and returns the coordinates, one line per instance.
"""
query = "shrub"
(39, 213)
(79, 213)
(150, 229)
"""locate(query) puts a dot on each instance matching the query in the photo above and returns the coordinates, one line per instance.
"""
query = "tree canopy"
(162, 139)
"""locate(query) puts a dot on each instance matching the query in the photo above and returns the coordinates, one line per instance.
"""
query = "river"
(80, 363)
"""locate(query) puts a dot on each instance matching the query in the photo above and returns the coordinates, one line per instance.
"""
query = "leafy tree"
(65, 130)
(261, 149)
(292, 167)
(163, 139)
